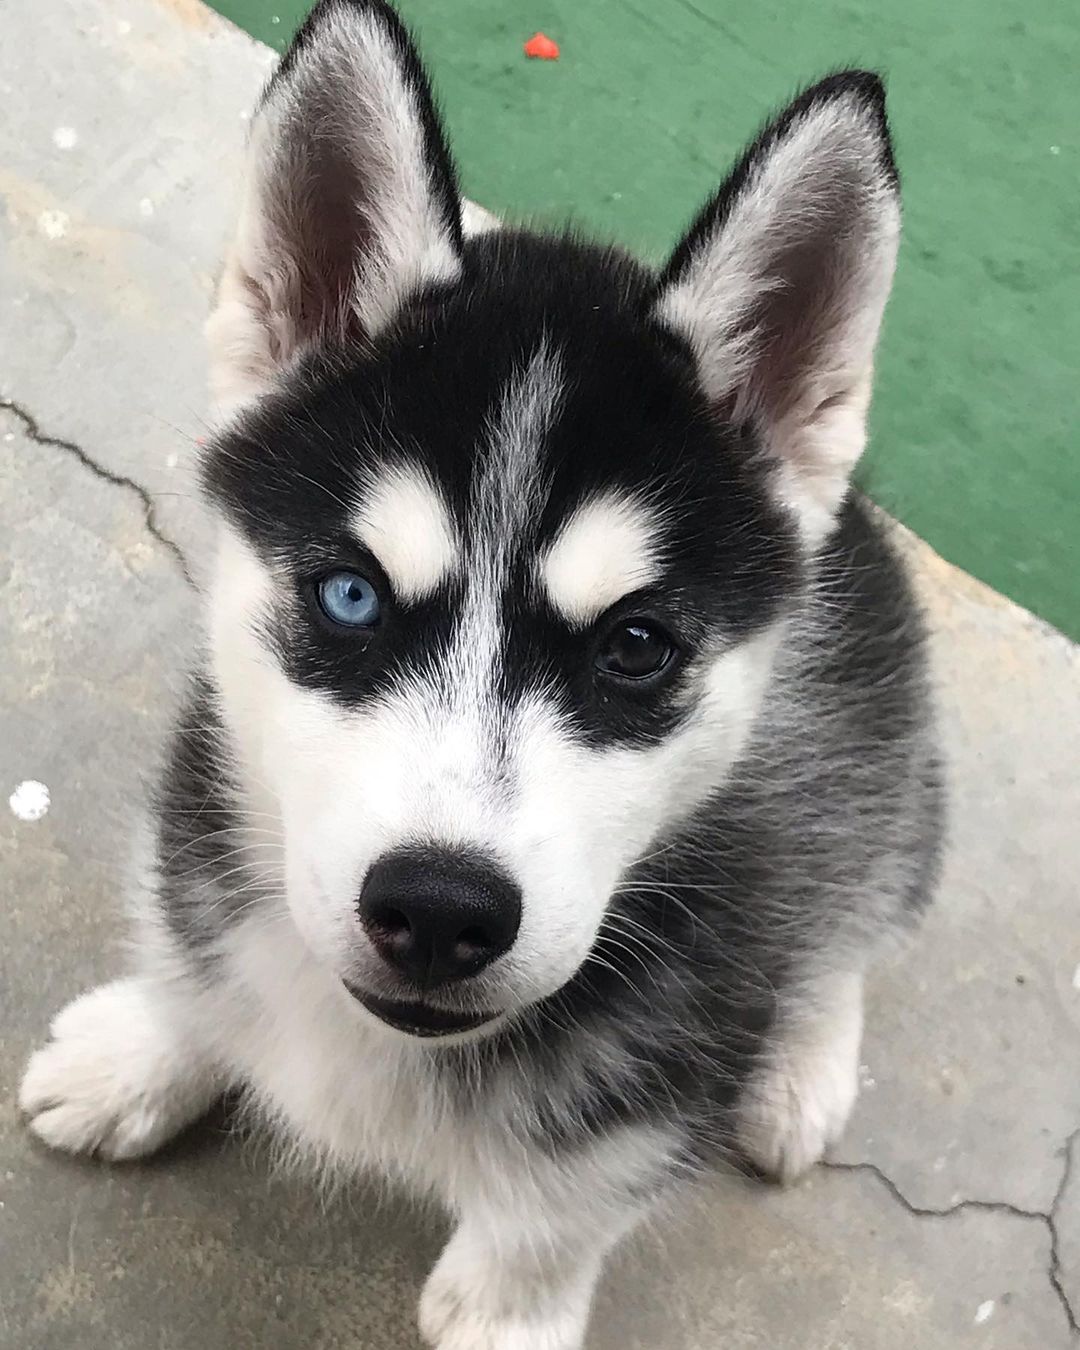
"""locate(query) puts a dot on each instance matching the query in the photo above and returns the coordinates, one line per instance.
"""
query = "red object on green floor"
(542, 48)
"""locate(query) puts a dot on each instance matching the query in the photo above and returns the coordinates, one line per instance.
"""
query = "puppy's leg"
(797, 1102)
(520, 1269)
(124, 1072)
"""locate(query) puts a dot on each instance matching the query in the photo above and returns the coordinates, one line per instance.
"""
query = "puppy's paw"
(477, 1332)
(115, 1080)
(798, 1102)
(463, 1315)
(789, 1118)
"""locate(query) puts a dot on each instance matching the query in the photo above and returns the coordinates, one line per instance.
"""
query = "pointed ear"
(350, 200)
(781, 283)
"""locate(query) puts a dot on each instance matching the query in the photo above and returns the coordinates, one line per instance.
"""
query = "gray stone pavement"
(950, 1216)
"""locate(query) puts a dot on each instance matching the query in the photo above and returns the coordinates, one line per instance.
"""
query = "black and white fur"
(524, 439)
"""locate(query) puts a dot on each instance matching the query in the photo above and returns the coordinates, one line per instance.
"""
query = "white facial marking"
(508, 498)
(604, 551)
(30, 800)
(405, 524)
(509, 492)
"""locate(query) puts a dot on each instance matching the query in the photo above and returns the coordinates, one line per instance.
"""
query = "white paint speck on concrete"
(146, 207)
(984, 1312)
(30, 800)
(65, 138)
(123, 27)
(172, 459)
(1076, 979)
(54, 224)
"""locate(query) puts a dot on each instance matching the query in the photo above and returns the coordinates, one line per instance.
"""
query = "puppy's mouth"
(420, 1019)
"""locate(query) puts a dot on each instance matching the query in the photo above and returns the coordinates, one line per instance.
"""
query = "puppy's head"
(509, 522)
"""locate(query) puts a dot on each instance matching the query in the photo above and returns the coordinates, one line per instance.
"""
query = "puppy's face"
(509, 524)
(498, 597)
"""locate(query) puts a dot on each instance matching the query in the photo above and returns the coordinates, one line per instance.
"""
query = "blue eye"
(349, 600)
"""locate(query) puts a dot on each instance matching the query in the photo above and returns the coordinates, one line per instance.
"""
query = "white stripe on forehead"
(452, 702)
(507, 499)
(509, 488)
(404, 522)
(606, 549)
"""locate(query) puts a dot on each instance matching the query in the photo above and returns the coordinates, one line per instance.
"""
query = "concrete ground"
(949, 1218)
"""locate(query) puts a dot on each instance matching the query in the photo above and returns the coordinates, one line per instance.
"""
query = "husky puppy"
(561, 755)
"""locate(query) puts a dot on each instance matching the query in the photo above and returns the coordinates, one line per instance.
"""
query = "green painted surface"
(977, 415)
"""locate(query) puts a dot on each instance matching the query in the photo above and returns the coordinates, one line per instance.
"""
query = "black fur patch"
(211, 866)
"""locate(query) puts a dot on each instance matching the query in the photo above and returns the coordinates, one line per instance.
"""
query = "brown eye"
(635, 650)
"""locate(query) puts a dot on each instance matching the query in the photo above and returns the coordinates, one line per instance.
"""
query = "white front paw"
(469, 1315)
(115, 1079)
(798, 1102)
(789, 1117)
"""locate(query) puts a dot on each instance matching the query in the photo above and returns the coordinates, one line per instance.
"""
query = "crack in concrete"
(1056, 1272)
(34, 432)
(1048, 1218)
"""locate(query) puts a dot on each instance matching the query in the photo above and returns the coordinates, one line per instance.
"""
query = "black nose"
(438, 917)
